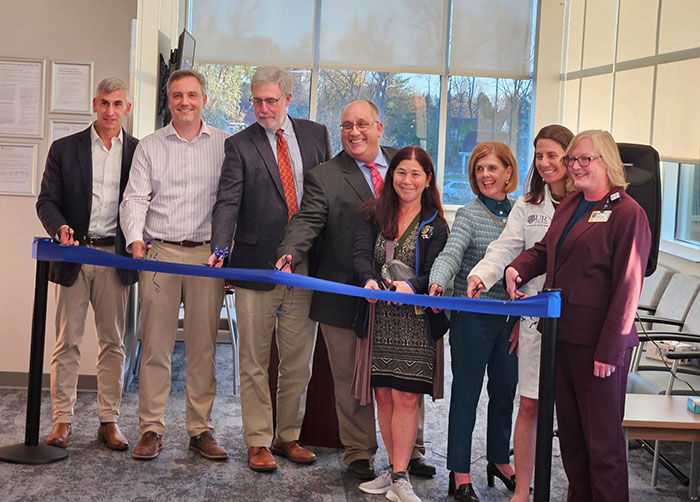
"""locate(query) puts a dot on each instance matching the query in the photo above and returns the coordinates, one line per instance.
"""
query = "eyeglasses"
(582, 161)
(271, 102)
(361, 126)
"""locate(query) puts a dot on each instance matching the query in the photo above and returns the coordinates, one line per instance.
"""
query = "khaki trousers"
(355, 422)
(101, 287)
(160, 304)
(295, 334)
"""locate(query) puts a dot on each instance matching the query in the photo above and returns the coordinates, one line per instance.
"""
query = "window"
(481, 92)
(688, 204)
(228, 95)
(408, 103)
(478, 110)
(680, 212)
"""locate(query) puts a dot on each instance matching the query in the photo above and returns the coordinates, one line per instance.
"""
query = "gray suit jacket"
(250, 198)
(327, 219)
(66, 197)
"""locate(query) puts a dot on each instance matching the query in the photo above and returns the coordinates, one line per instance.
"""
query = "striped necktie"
(286, 175)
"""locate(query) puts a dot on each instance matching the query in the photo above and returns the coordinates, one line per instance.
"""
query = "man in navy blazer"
(83, 183)
(260, 188)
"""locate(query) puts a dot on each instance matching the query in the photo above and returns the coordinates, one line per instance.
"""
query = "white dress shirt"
(172, 186)
(106, 173)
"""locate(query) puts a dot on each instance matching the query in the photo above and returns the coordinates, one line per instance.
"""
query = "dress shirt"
(294, 154)
(500, 208)
(172, 186)
(106, 172)
(382, 167)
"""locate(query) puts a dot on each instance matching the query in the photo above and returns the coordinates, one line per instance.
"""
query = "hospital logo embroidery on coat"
(538, 220)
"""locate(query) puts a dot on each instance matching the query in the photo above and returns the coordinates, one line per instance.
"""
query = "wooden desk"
(666, 418)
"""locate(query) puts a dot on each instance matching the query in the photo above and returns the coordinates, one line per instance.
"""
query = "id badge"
(599, 216)
(419, 310)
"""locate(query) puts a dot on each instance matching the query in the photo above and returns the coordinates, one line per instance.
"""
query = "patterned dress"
(402, 356)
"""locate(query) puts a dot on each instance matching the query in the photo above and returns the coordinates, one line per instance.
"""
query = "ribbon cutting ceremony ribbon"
(543, 305)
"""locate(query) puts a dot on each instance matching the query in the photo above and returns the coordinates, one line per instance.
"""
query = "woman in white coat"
(527, 223)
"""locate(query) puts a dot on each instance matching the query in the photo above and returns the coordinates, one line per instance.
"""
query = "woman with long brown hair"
(404, 229)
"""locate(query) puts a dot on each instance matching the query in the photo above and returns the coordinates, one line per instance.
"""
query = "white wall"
(550, 50)
(69, 30)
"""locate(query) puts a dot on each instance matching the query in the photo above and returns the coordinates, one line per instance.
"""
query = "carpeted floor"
(93, 473)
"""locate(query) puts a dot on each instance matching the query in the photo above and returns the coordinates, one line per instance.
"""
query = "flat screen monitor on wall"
(184, 57)
(181, 58)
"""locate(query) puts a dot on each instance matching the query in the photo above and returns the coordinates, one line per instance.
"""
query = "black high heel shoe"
(465, 492)
(492, 470)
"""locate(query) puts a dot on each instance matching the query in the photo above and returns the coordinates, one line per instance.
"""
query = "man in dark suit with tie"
(83, 183)
(327, 219)
(260, 188)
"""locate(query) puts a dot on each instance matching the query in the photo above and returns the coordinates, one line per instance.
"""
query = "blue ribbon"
(542, 305)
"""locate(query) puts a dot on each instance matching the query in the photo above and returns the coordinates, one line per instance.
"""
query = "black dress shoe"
(492, 470)
(362, 469)
(419, 467)
(465, 492)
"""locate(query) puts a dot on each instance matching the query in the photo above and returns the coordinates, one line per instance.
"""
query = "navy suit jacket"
(251, 199)
(599, 271)
(66, 197)
(327, 221)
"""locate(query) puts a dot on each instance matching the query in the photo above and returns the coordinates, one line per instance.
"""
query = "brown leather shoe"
(207, 446)
(149, 446)
(294, 451)
(260, 459)
(59, 435)
(111, 436)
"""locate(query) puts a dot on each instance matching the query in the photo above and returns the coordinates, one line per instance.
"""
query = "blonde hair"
(606, 148)
(503, 154)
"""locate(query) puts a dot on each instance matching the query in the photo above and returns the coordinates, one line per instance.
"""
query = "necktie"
(376, 177)
(285, 167)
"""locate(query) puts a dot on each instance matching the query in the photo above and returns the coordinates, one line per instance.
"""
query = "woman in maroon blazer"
(595, 251)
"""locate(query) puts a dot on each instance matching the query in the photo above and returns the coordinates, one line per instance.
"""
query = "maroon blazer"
(599, 271)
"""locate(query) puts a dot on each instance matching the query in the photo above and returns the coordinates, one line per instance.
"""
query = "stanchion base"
(39, 454)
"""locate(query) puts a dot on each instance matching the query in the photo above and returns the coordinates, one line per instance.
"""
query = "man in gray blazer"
(78, 205)
(260, 188)
(327, 219)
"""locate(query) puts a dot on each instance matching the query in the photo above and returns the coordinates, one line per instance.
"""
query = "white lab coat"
(527, 224)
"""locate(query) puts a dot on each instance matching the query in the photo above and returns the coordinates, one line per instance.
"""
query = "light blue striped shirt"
(172, 186)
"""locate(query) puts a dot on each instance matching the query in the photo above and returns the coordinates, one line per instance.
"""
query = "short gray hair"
(273, 75)
(111, 84)
(178, 74)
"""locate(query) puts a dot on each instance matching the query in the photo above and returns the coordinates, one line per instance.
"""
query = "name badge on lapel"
(599, 216)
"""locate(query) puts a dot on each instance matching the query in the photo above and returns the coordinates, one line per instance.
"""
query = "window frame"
(445, 75)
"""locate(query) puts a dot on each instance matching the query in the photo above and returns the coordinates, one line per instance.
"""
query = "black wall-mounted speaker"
(644, 177)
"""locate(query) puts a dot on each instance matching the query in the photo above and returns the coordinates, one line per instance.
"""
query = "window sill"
(681, 250)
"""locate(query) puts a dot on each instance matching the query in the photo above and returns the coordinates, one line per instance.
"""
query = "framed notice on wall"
(61, 128)
(18, 168)
(71, 87)
(22, 97)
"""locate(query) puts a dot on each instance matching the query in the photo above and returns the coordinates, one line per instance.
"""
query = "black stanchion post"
(545, 411)
(31, 452)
